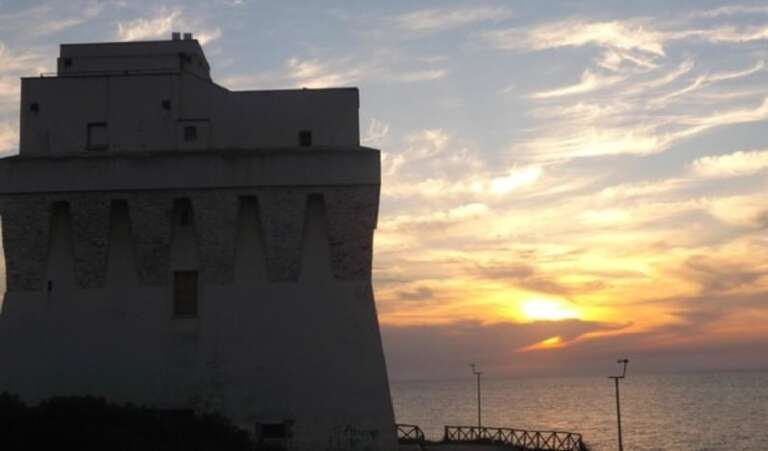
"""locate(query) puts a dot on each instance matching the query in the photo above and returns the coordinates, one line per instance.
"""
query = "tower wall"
(286, 329)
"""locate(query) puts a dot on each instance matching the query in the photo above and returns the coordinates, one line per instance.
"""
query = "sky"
(564, 183)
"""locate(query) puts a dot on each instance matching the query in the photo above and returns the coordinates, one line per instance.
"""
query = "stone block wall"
(351, 214)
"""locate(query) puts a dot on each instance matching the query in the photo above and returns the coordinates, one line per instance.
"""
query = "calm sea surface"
(702, 411)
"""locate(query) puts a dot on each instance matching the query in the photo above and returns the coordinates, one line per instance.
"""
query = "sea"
(682, 411)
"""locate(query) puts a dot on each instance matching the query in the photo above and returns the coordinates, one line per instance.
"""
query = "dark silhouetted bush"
(90, 423)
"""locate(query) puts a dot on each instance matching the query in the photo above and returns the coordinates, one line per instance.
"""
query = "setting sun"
(546, 310)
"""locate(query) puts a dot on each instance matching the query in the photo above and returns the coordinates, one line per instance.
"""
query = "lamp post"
(618, 406)
(479, 415)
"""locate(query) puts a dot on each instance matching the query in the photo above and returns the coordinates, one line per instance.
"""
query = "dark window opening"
(182, 212)
(190, 133)
(166, 104)
(185, 294)
(305, 138)
(34, 107)
(98, 137)
(67, 62)
(184, 217)
(50, 285)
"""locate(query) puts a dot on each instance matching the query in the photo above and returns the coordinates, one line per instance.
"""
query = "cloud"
(515, 178)
(626, 36)
(322, 74)
(635, 40)
(747, 212)
(594, 141)
(46, 19)
(54, 25)
(206, 36)
(9, 137)
(16, 64)
(724, 34)
(436, 220)
(639, 140)
(161, 24)
(716, 275)
(376, 133)
(634, 118)
(419, 351)
(643, 87)
(734, 164)
(317, 73)
(433, 20)
(421, 75)
(731, 10)
(719, 119)
(710, 79)
(521, 275)
(589, 82)
(143, 28)
(420, 293)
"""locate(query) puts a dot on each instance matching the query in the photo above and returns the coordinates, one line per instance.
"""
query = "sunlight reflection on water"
(702, 411)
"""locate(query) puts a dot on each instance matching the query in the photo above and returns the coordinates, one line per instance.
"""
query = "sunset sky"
(564, 182)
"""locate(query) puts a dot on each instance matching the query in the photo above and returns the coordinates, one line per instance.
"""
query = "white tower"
(172, 243)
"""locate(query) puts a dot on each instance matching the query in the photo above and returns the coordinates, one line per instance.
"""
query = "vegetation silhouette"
(93, 423)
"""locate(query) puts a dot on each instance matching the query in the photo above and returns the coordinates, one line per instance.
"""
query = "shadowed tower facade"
(173, 243)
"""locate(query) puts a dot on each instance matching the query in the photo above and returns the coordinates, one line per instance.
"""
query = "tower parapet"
(172, 243)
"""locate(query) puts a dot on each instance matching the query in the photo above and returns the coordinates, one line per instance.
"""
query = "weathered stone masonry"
(350, 214)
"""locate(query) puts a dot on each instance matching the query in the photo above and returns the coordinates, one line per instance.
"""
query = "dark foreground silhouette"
(90, 423)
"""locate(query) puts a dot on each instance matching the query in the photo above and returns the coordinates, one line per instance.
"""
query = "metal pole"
(479, 402)
(618, 414)
(618, 404)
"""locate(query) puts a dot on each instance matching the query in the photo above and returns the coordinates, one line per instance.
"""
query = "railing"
(516, 438)
(409, 433)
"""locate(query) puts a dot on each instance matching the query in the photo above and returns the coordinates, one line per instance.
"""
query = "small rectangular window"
(98, 136)
(305, 138)
(190, 133)
(185, 294)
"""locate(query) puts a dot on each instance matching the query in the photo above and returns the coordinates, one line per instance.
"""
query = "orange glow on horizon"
(549, 343)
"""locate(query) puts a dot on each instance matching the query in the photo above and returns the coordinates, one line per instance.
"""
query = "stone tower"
(172, 243)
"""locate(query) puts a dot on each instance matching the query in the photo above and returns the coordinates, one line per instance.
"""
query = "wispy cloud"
(317, 74)
(589, 82)
(724, 34)
(377, 131)
(620, 35)
(706, 80)
(9, 136)
(731, 10)
(731, 165)
(334, 72)
(432, 20)
(514, 179)
(50, 18)
(161, 24)
(420, 75)
(143, 28)
(15, 64)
